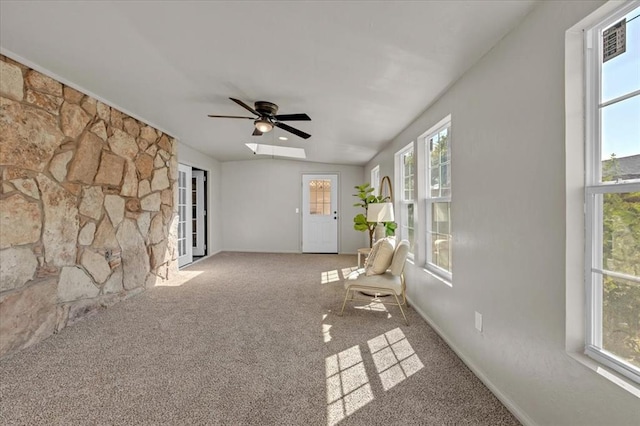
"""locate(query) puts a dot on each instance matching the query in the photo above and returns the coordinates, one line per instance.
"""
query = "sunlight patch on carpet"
(394, 358)
(326, 332)
(347, 271)
(326, 329)
(329, 277)
(180, 278)
(348, 387)
(375, 305)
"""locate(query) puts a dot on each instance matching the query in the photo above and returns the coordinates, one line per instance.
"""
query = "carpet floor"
(246, 339)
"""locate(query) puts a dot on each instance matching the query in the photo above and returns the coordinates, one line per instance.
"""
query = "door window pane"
(320, 197)
(182, 213)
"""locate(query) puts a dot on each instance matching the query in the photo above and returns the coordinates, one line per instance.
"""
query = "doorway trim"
(185, 253)
(185, 207)
(199, 221)
(328, 222)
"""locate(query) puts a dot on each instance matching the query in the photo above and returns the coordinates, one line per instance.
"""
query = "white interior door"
(198, 228)
(185, 246)
(320, 213)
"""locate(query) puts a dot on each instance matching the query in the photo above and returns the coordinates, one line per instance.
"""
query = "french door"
(185, 246)
(198, 212)
(192, 224)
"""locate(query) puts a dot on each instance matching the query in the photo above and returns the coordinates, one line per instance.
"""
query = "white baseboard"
(275, 251)
(239, 250)
(506, 401)
(203, 258)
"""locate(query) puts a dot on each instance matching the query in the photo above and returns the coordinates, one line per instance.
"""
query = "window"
(612, 192)
(405, 167)
(375, 180)
(320, 197)
(438, 198)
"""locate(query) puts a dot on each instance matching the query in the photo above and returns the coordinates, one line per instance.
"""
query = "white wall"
(259, 198)
(508, 178)
(193, 158)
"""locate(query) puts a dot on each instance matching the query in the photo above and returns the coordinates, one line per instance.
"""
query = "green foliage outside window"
(621, 253)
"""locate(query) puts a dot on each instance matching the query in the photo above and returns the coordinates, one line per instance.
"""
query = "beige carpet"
(250, 339)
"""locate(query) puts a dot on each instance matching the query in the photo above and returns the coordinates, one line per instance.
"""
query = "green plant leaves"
(390, 228)
(366, 197)
(360, 223)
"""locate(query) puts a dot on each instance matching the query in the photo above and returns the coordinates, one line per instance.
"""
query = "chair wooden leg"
(401, 310)
(346, 295)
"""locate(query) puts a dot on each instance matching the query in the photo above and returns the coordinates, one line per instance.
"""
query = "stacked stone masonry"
(87, 213)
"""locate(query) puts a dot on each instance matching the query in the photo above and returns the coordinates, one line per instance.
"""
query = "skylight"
(277, 151)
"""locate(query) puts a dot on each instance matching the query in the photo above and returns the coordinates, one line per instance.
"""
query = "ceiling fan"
(267, 118)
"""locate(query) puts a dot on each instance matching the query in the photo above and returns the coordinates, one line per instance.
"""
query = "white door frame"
(320, 230)
(185, 249)
(199, 248)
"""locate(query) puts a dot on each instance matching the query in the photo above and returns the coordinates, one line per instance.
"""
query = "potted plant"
(366, 197)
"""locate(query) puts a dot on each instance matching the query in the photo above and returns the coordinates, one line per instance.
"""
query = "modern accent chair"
(390, 282)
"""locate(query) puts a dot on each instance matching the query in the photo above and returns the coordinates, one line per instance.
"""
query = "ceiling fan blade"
(290, 129)
(245, 106)
(230, 116)
(293, 117)
(256, 132)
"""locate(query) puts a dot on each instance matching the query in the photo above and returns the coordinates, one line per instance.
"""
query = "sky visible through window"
(621, 75)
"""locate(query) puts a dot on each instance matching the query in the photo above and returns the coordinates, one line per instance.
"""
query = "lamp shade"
(380, 212)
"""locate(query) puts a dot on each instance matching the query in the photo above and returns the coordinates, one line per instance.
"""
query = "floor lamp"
(381, 212)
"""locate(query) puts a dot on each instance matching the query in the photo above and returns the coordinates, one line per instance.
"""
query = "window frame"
(594, 192)
(375, 180)
(400, 201)
(445, 123)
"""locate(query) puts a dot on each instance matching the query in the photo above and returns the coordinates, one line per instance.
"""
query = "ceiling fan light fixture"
(267, 118)
(263, 125)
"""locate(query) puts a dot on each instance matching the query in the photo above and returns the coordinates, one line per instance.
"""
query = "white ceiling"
(361, 70)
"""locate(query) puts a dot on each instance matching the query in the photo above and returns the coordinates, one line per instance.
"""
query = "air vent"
(614, 41)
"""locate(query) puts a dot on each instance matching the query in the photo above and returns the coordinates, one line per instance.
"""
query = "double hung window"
(405, 165)
(438, 199)
(612, 192)
(375, 179)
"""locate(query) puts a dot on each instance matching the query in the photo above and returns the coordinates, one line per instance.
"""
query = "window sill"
(438, 277)
(612, 376)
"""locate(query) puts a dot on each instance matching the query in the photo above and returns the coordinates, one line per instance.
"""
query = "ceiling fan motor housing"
(266, 108)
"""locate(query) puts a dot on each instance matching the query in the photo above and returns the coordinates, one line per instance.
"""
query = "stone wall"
(87, 213)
